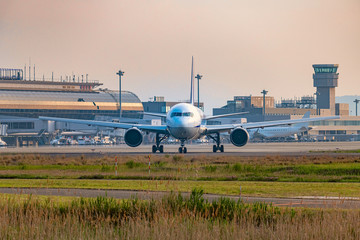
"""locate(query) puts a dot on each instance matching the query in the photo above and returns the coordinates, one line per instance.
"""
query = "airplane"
(273, 132)
(184, 121)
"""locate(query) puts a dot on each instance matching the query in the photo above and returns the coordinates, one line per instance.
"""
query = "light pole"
(264, 92)
(356, 101)
(120, 73)
(198, 77)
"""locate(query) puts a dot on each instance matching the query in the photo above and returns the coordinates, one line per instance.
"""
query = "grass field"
(263, 189)
(277, 176)
(178, 167)
(172, 217)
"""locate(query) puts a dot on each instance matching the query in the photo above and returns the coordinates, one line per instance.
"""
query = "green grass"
(285, 172)
(264, 189)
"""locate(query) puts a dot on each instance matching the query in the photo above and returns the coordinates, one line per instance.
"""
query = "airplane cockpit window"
(188, 114)
(176, 114)
(179, 114)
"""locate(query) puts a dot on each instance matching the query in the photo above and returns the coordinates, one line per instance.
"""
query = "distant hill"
(350, 100)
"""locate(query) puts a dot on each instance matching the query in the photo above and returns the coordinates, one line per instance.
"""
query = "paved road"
(126, 194)
(251, 149)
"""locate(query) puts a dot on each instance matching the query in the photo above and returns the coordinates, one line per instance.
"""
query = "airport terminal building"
(23, 101)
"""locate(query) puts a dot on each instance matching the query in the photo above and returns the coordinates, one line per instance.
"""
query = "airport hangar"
(23, 101)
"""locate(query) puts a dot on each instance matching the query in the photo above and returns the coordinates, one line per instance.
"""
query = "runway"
(251, 149)
(343, 203)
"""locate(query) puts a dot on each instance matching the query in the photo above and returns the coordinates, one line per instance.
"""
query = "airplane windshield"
(188, 114)
(176, 114)
(179, 114)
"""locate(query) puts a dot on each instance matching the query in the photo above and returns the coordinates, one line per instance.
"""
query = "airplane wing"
(224, 115)
(227, 127)
(155, 114)
(143, 127)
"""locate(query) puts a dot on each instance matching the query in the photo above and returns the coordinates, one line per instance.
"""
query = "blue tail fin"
(192, 82)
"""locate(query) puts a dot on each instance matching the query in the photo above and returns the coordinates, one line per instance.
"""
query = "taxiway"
(315, 202)
(251, 149)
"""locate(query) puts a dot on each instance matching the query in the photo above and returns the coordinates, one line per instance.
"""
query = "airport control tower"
(325, 81)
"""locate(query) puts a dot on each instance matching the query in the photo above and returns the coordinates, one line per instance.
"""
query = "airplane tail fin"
(192, 82)
(305, 124)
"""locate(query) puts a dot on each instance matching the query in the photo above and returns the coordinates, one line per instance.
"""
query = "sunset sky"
(241, 47)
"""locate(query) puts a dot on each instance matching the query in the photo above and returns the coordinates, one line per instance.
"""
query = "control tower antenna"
(198, 77)
(120, 73)
(264, 92)
(356, 101)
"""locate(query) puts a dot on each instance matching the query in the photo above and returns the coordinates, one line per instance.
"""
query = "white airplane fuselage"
(272, 132)
(184, 121)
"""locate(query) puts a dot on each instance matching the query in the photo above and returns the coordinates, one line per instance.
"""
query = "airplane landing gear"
(217, 147)
(182, 149)
(159, 147)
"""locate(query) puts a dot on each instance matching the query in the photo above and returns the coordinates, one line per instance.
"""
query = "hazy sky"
(240, 46)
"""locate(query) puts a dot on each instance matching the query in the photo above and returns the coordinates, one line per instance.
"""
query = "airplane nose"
(182, 123)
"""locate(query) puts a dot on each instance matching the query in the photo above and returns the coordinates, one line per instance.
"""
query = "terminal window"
(20, 125)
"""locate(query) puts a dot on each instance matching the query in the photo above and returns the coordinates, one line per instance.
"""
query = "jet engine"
(133, 137)
(239, 137)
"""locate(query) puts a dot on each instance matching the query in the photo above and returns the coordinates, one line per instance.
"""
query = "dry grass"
(169, 218)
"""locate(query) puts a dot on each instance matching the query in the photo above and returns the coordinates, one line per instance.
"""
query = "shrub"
(177, 158)
(237, 167)
(210, 168)
(132, 164)
(105, 167)
(159, 164)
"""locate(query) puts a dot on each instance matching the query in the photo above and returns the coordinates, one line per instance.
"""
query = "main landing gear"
(182, 149)
(217, 147)
(159, 147)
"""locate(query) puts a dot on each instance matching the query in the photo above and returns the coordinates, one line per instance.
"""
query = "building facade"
(325, 79)
(23, 101)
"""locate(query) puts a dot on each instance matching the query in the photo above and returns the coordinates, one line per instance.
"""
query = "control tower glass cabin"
(325, 81)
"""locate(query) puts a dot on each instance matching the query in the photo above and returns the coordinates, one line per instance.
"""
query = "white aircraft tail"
(305, 124)
(192, 82)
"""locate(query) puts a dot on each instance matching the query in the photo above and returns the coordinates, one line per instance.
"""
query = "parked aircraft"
(282, 131)
(185, 122)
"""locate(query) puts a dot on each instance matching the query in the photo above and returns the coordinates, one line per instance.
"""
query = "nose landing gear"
(182, 149)
(159, 147)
